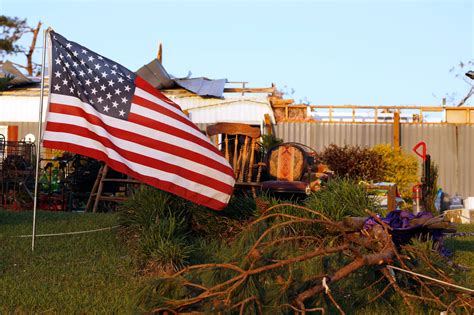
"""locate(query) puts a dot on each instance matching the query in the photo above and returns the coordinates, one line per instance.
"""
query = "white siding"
(249, 110)
(20, 108)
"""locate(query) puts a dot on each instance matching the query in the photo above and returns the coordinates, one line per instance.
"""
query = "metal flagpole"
(38, 143)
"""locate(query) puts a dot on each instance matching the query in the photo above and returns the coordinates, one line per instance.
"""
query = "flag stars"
(92, 79)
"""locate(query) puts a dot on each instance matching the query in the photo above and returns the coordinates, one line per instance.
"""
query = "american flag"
(100, 109)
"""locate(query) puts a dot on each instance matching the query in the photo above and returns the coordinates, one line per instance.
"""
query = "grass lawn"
(90, 273)
(463, 248)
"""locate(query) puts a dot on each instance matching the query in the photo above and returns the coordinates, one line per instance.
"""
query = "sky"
(318, 52)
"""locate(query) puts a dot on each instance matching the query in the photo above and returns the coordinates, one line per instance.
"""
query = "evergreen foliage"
(342, 197)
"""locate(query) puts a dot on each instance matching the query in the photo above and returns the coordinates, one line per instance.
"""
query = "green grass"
(88, 273)
(463, 248)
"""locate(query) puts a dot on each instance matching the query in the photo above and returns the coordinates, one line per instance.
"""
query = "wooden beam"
(159, 56)
(268, 124)
(396, 130)
(248, 90)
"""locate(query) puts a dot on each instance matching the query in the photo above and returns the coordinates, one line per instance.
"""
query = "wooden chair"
(239, 145)
(289, 169)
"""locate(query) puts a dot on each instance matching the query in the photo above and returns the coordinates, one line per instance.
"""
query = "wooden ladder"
(96, 193)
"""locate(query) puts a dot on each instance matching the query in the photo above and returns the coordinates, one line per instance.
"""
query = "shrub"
(156, 226)
(165, 231)
(353, 162)
(398, 167)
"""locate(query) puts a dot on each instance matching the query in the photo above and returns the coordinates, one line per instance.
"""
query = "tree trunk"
(29, 55)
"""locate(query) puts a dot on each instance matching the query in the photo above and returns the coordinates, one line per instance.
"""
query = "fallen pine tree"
(293, 259)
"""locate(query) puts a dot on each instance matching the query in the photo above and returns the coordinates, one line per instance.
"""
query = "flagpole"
(38, 143)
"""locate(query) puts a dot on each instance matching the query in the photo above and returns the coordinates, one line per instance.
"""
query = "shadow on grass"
(461, 245)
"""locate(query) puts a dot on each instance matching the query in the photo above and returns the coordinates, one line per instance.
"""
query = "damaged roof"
(155, 74)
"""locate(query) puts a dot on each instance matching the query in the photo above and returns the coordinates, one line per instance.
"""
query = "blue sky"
(328, 52)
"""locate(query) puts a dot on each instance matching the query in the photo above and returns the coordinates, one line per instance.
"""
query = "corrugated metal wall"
(320, 135)
(451, 146)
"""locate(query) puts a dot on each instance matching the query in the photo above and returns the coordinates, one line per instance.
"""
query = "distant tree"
(12, 29)
(460, 71)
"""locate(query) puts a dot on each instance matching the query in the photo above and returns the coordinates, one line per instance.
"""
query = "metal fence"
(451, 146)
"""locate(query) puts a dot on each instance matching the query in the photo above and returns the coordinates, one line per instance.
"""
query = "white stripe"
(139, 129)
(139, 168)
(141, 149)
(152, 98)
(165, 119)
(144, 94)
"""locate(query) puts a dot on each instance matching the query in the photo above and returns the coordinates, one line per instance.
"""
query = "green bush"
(156, 226)
(398, 167)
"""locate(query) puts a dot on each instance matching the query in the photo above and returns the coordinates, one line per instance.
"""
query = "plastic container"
(456, 203)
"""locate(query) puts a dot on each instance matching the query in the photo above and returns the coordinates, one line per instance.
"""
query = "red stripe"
(146, 141)
(144, 85)
(142, 159)
(154, 124)
(120, 167)
(163, 110)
